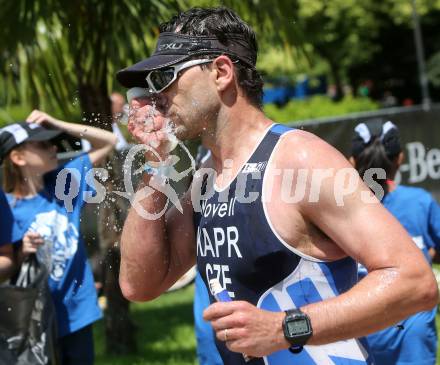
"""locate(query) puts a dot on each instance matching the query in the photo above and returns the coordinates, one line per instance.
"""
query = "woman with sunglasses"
(376, 145)
(30, 180)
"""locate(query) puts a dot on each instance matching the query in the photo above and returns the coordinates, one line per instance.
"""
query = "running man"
(288, 264)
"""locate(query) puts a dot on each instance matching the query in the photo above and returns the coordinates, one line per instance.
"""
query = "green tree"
(56, 52)
(62, 55)
(347, 34)
(340, 32)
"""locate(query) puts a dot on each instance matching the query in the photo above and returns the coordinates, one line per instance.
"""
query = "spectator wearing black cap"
(377, 145)
(30, 181)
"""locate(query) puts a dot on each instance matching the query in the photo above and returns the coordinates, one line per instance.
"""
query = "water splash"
(170, 130)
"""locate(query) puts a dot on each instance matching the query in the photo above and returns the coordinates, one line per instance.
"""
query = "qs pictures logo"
(161, 182)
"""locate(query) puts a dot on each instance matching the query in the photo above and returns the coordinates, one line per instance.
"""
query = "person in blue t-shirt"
(9, 261)
(34, 184)
(7, 265)
(377, 145)
(207, 353)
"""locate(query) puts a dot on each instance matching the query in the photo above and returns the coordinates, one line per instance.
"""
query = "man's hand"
(247, 329)
(151, 128)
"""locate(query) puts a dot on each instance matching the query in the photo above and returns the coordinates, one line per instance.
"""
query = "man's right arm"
(155, 253)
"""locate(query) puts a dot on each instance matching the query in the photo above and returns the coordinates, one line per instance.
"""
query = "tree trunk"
(339, 93)
(119, 329)
(96, 105)
(334, 70)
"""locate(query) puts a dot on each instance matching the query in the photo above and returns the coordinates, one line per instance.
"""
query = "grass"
(318, 106)
(165, 332)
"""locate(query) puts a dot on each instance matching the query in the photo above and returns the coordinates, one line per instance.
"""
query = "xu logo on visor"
(167, 46)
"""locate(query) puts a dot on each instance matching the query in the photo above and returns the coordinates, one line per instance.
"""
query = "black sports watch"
(297, 329)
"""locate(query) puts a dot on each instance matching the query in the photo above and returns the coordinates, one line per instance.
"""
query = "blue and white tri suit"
(237, 244)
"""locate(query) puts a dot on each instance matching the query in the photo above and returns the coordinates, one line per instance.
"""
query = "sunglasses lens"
(161, 78)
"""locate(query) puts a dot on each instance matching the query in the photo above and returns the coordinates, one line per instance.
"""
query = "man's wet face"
(191, 102)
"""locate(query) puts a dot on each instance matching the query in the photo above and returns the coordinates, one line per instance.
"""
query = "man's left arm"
(365, 231)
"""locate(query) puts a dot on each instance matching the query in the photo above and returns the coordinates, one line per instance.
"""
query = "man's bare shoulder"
(302, 149)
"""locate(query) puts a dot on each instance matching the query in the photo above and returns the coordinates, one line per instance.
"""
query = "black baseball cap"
(15, 134)
(173, 48)
(366, 133)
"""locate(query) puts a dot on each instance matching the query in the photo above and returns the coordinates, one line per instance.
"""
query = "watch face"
(298, 327)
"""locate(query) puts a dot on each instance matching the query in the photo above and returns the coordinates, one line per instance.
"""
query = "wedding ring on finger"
(225, 333)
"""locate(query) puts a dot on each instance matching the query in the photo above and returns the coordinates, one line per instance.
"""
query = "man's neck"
(235, 133)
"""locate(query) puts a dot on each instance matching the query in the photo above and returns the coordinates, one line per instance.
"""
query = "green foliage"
(14, 113)
(65, 53)
(339, 33)
(402, 10)
(434, 69)
(165, 332)
(316, 107)
(64, 50)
